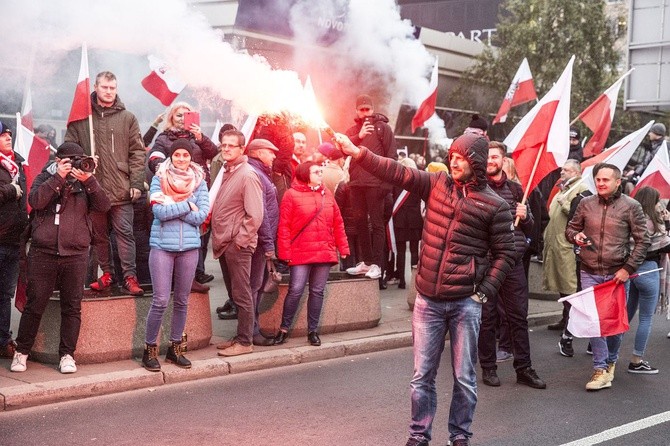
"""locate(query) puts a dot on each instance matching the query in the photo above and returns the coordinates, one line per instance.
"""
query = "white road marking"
(620, 431)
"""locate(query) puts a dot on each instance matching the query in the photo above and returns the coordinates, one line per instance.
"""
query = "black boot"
(175, 356)
(313, 339)
(150, 358)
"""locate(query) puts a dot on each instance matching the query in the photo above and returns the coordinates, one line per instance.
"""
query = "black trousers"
(513, 297)
(370, 202)
(46, 273)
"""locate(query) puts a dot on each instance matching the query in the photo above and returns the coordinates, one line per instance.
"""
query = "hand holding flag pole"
(532, 174)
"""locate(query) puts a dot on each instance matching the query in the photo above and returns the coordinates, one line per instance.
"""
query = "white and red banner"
(427, 107)
(540, 141)
(81, 104)
(390, 228)
(598, 311)
(34, 150)
(27, 111)
(520, 91)
(162, 82)
(657, 173)
(619, 155)
(598, 117)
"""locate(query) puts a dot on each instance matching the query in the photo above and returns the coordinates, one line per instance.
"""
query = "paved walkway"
(43, 384)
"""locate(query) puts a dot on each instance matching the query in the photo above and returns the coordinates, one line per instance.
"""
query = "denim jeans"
(605, 349)
(317, 274)
(9, 274)
(163, 265)
(430, 322)
(120, 219)
(643, 295)
(256, 281)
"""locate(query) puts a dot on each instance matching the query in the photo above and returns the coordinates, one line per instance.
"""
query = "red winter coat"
(322, 235)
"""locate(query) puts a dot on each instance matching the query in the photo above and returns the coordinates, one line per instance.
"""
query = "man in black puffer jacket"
(468, 249)
(512, 300)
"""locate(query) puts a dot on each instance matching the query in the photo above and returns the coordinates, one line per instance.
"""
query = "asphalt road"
(364, 400)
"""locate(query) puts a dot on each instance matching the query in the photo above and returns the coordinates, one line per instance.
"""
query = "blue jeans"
(317, 274)
(643, 294)
(605, 349)
(9, 274)
(430, 322)
(162, 265)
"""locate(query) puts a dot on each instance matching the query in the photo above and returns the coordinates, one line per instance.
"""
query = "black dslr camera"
(83, 163)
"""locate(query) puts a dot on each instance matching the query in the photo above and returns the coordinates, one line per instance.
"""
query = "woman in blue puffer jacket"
(180, 204)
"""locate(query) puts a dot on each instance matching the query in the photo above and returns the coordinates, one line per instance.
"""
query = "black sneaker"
(528, 377)
(642, 367)
(416, 442)
(565, 347)
(490, 377)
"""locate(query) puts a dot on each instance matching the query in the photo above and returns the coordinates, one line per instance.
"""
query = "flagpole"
(90, 127)
(530, 180)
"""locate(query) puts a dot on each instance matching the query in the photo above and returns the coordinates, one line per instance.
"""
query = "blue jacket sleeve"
(165, 212)
(201, 199)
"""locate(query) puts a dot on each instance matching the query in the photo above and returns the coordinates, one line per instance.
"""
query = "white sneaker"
(374, 272)
(19, 362)
(359, 269)
(67, 364)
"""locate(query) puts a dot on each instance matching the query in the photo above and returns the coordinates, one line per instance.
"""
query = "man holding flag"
(602, 226)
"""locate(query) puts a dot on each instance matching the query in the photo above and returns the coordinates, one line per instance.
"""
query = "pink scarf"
(179, 184)
(8, 163)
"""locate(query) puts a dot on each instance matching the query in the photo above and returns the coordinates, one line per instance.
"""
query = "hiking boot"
(360, 268)
(599, 380)
(236, 349)
(132, 287)
(175, 355)
(374, 272)
(416, 442)
(67, 364)
(19, 362)
(503, 355)
(204, 278)
(642, 367)
(103, 283)
(226, 307)
(8, 350)
(197, 287)
(527, 376)
(610, 370)
(565, 347)
(490, 377)
(150, 358)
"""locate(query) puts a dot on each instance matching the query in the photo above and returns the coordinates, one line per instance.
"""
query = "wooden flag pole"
(90, 128)
(530, 180)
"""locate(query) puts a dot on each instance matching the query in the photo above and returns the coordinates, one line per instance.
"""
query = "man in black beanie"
(478, 126)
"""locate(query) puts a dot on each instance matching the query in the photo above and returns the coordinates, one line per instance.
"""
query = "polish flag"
(599, 115)
(427, 107)
(521, 90)
(657, 173)
(81, 104)
(215, 133)
(598, 311)
(540, 142)
(33, 149)
(162, 82)
(27, 111)
(619, 155)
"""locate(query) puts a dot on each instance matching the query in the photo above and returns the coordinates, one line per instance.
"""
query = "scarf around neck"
(10, 165)
(179, 184)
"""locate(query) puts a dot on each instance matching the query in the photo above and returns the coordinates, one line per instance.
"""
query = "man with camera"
(120, 170)
(603, 226)
(62, 198)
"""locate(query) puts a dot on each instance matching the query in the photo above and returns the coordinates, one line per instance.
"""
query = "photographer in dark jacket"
(61, 198)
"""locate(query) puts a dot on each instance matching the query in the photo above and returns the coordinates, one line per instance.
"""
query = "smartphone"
(191, 117)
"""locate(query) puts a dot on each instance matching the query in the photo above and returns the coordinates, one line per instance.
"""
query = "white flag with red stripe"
(427, 107)
(34, 150)
(520, 91)
(598, 311)
(540, 142)
(599, 115)
(162, 82)
(81, 104)
(619, 155)
(657, 173)
(27, 111)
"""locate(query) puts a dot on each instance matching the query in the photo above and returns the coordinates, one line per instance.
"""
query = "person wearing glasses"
(311, 231)
(237, 214)
(372, 131)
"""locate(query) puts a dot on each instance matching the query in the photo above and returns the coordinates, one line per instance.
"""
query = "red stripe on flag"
(525, 92)
(155, 85)
(610, 299)
(425, 111)
(655, 180)
(81, 104)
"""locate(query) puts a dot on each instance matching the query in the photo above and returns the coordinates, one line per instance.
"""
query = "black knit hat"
(181, 143)
(575, 133)
(68, 150)
(4, 128)
(478, 123)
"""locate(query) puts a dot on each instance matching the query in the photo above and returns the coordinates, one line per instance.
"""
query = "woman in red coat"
(310, 232)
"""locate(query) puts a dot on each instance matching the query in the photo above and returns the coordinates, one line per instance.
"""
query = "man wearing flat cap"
(645, 153)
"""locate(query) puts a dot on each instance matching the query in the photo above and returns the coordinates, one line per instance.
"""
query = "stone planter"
(113, 327)
(349, 304)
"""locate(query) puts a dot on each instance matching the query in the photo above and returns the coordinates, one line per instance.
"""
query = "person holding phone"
(183, 122)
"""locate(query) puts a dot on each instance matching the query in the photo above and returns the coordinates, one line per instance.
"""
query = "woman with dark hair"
(645, 288)
(311, 231)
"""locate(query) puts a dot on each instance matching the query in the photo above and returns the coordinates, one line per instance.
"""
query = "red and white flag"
(33, 149)
(657, 173)
(390, 226)
(162, 82)
(81, 104)
(599, 115)
(427, 107)
(27, 111)
(619, 155)
(598, 311)
(540, 141)
(520, 91)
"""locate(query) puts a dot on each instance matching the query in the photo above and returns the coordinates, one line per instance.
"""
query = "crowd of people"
(357, 202)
